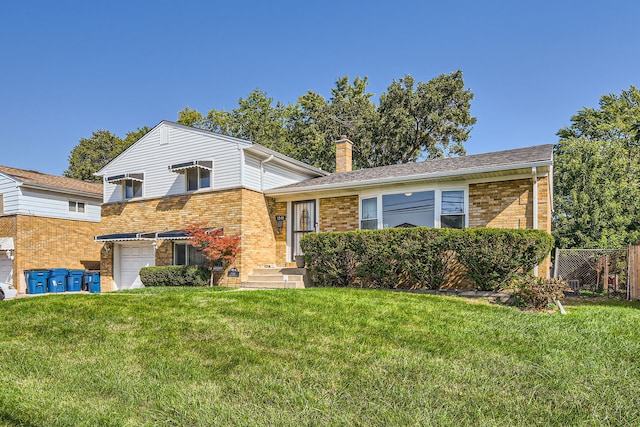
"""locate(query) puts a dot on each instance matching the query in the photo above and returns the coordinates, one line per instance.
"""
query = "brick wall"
(501, 204)
(238, 211)
(339, 213)
(509, 204)
(50, 243)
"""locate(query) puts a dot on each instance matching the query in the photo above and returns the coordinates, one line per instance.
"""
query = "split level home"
(177, 175)
(46, 221)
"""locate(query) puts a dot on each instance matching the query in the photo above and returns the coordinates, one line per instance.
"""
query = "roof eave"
(404, 179)
(300, 165)
(62, 190)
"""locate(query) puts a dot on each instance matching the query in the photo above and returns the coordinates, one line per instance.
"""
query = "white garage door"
(5, 268)
(132, 258)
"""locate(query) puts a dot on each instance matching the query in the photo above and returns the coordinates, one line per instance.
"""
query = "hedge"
(175, 275)
(421, 257)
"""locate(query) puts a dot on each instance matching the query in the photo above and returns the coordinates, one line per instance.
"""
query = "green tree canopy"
(413, 121)
(91, 154)
(597, 175)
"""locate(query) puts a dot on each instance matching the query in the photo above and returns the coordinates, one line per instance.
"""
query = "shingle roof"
(41, 180)
(451, 166)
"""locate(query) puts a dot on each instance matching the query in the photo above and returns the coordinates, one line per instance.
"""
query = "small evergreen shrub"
(536, 293)
(175, 275)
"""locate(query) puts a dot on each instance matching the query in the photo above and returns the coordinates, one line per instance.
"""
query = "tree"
(597, 175)
(189, 117)
(92, 154)
(215, 246)
(256, 119)
(318, 124)
(413, 121)
(427, 120)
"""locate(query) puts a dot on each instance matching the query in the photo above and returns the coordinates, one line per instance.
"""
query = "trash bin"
(37, 281)
(74, 280)
(91, 281)
(57, 279)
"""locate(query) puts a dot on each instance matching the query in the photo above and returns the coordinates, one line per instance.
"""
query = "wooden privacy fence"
(633, 289)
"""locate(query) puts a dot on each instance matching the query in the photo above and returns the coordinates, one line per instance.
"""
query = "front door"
(304, 221)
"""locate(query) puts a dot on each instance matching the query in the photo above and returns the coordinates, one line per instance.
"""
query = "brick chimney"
(344, 162)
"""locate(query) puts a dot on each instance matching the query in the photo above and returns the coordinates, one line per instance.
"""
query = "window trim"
(132, 182)
(187, 245)
(198, 180)
(437, 189)
(76, 207)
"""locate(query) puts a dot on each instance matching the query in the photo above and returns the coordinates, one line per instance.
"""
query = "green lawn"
(185, 357)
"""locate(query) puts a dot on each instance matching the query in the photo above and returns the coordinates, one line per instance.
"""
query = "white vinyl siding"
(10, 195)
(274, 173)
(152, 158)
(56, 205)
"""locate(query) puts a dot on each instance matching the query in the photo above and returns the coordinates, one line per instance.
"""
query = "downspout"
(241, 165)
(534, 172)
(262, 171)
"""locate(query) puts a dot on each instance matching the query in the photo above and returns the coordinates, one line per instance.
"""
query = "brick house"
(46, 221)
(176, 175)
(505, 189)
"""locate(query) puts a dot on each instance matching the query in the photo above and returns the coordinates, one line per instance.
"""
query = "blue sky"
(68, 68)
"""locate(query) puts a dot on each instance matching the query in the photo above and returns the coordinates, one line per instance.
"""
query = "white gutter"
(534, 178)
(262, 171)
(401, 179)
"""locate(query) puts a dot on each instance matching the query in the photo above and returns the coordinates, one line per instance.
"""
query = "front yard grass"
(188, 357)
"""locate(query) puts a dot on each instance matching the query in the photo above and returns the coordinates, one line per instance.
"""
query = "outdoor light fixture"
(280, 223)
(106, 248)
(9, 253)
(408, 194)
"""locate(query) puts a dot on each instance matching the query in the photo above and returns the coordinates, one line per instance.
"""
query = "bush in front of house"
(493, 256)
(536, 293)
(175, 275)
(421, 257)
(395, 258)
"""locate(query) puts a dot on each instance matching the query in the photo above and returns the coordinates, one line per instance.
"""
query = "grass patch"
(312, 357)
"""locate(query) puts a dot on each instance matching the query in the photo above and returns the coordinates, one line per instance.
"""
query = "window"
(408, 209)
(452, 209)
(132, 188)
(185, 254)
(433, 208)
(76, 206)
(198, 178)
(369, 214)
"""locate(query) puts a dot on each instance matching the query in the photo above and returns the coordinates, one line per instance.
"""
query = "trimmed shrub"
(536, 293)
(493, 257)
(421, 257)
(175, 275)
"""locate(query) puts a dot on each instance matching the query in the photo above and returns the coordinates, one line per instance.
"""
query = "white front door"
(6, 267)
(133, 257)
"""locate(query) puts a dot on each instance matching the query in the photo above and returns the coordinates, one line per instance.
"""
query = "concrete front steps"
(272, 277)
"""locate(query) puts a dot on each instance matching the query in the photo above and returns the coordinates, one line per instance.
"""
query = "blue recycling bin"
(37, 281)
(58, 279)
(74, 280)
(91, 281)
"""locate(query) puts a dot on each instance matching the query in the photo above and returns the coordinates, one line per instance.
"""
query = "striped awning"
(125, 176)
(152, 235)
(181, 167)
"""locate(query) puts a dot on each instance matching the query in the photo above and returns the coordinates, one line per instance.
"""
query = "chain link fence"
(596, 270)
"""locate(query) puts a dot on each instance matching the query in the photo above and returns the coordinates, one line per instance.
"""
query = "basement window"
(185, 254)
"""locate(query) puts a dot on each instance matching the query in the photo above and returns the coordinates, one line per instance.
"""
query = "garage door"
(5, 268)
(132, 259)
